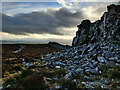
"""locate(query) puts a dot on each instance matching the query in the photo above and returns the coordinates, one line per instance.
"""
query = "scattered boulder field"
(91, 59)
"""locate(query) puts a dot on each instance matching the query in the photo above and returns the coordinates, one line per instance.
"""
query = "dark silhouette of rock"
(107, 29)
(55, 44)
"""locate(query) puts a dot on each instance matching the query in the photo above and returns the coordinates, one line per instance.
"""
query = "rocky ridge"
(106, 29)
(57, 45)
(95, 45)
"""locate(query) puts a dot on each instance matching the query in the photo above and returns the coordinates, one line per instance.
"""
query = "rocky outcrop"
(106, 29)
(94, 46)
(57, 45)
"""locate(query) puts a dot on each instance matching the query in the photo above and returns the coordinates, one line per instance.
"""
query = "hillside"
(92, 62)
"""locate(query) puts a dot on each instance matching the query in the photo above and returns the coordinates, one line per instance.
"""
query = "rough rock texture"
(94, 48)
(106, 29)
(95, 45)
(85, 59)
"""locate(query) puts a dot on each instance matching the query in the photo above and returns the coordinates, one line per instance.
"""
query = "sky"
(43, 22)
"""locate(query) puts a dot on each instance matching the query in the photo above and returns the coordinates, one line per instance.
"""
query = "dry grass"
(30, 52)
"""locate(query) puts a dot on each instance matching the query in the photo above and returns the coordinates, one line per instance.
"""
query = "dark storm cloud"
(41, 22)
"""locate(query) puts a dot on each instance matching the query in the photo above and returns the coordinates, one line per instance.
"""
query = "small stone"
(55, 78)
(88, 86)
(84, 83)
(23, 59)
(112, 79)
(105, 87)
(79, 71)
(100, 72)
(111, 59)
(1, 88)
(118, 82)
(101, 59)
(91, 66)
(109, 54)
(94, 71)
(75, 81)
(95, 64)
(103, 80)
(86, 78)
(48, 79)
(24, 63)
(58, 87)
(94, 83)
(118, 61)
(84, 65)
(75, 57)
(92, 47)
(8, 86)
(57, 67)
(68, 76)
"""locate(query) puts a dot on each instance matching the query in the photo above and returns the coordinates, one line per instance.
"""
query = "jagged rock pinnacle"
(107, 29)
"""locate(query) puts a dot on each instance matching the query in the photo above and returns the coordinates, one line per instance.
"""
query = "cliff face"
(107, 29)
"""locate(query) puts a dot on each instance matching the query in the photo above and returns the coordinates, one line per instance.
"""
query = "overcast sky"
(41, 22)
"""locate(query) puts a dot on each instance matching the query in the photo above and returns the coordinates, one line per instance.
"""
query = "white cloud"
(94, 0)
(95, 11)
(65, 3)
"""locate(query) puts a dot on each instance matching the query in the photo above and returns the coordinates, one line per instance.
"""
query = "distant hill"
(55, 44)
(11, 42)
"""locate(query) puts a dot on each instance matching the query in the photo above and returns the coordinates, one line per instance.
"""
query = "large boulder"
(82, 33)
